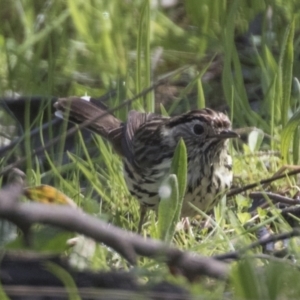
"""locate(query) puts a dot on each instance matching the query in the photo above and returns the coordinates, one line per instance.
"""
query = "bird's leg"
(143, 211)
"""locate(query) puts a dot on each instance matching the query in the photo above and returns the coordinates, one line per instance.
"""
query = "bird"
(146, 143)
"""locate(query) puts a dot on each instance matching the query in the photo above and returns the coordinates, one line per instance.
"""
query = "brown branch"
(236, 191)
(258, 154)
(275, 198)
(295, 210)
(128, 244)
(273, 238)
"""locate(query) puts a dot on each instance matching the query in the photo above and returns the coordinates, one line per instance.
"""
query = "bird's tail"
(79, 110)
(98, 120)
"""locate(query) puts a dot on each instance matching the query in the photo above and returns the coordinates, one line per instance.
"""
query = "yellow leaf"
(48, 195)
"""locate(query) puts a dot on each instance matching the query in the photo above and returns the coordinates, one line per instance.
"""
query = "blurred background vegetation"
(238, 56)
(73, 47)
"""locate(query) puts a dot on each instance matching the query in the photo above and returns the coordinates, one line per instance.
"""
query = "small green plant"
(172, 194)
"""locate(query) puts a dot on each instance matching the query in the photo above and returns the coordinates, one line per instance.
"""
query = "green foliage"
(289, 132)
(172, 194)
(179, 168)
(168, 209)
(2, 293)
(45, 239)
(66, 278)
(143, 49)
(273, 280)
(285, 75)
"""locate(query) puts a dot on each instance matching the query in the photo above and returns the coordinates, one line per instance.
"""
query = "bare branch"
(273, 238)
(237, 191)
(275, 198)
(128, 244)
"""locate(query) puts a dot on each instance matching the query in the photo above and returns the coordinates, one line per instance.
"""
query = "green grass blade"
(288, 133)
(200, 94)
(66, 278)
(232, 76)
(143, 63)
(179, 167)
(3, 295)
(163, 111)
(168, 207)
(245, 281)
(286, 70)
(296, 142)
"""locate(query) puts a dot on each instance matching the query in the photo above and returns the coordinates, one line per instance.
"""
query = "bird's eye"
(198, 129)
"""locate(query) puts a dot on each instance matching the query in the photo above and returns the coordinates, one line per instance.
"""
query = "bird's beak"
(226, 134)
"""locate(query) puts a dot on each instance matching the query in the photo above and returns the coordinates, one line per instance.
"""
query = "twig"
(236, 191)
(128, 244)
(246, 130)
(275, 259)
(275, 198)
(273, 238)
(291, 210)
(259, 154)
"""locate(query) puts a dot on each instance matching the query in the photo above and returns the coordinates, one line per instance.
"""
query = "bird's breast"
(206, 182)
(144, 183)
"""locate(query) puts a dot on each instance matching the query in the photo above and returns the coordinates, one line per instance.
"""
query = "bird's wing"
(139, 131)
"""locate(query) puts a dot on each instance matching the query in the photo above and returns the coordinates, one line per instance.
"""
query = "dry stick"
(258, 153)
(247, 130)
(291, 210)
(275, 198)
(273, 238)
(128, 244)
(275, 259)
(236, 191)
(55, 292)
(74, 129)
